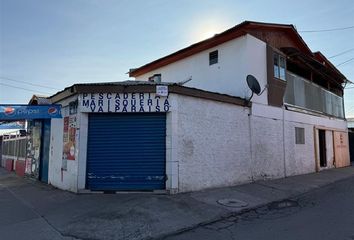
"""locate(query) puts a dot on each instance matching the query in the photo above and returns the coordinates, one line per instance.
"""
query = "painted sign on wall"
(22, 112)
(123, 102)
(69, 141)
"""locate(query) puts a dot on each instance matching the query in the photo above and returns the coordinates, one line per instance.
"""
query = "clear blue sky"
(59, 43)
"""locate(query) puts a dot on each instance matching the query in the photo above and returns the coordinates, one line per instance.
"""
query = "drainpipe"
(285, 174)
(250, 139)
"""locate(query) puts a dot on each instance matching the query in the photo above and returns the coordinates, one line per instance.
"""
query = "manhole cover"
(283, 204)
(231, 202)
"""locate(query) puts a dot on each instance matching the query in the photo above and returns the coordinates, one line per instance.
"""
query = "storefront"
(32, 150)
(141, 136)
(124, 137)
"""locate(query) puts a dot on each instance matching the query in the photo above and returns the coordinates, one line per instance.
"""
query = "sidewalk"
(32, 210)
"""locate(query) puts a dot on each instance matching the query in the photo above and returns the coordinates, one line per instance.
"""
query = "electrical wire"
(349, 50)
(342, 63)
(326, 30)
(32, 84)
(26, 89)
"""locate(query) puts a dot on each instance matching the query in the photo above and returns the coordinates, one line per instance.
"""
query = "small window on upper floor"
(213, 57)
(279, 66)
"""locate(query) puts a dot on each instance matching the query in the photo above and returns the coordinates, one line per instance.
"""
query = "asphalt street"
(322, 209)
(325, 214)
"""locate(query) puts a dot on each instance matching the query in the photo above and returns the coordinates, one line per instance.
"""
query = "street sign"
(161, 90)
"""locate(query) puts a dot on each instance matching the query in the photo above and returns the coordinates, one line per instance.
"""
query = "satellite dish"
(253, 84)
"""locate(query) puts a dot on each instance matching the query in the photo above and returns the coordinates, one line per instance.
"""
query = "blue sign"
(23, 112)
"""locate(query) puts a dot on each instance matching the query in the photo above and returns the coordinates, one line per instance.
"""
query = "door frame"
(43, 174)
(316, 143)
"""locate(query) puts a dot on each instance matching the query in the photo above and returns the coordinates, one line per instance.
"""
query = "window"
(299, 135)
(213, 57)
(279, 66)
(73, 107)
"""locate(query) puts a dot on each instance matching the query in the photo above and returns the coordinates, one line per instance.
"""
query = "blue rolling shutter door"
(126, 151)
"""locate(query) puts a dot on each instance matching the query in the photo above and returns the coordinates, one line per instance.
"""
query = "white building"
(122, 136)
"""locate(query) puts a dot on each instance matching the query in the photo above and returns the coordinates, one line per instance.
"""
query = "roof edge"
(173, 88)
(217, 39)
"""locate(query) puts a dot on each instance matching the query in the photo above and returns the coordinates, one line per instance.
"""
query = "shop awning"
(27, 112)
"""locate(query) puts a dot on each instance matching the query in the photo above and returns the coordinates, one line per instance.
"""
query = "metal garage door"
(126, 151)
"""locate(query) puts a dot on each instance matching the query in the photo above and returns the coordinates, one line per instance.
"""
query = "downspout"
(250, 139)
(285, 174)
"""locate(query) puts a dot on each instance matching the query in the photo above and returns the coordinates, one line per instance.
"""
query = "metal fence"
(14, 147)
(303, 93)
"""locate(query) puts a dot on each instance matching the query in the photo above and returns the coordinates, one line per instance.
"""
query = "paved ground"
(323, 214)
(31, 210)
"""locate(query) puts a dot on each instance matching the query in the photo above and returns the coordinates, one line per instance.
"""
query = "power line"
(32, 84)
(327, 30)
(349, 50)
(342, 63)
(26, 89)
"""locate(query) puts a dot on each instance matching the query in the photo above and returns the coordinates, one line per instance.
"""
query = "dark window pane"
(213, 57)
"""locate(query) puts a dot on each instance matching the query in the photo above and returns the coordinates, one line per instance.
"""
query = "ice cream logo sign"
(124, 102)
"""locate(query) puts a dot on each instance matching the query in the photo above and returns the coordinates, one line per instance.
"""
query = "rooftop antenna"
(185, 81)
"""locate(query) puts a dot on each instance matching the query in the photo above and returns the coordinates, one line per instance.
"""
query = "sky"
(53, 44)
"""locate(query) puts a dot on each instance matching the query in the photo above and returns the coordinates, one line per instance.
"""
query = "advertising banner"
(69, 141)
(23, 112)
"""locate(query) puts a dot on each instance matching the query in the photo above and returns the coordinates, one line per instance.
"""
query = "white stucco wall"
(213, 146)
(299, 158)
(237, 58)
(220, 145)
(276, 127)
(267, 148)
(63, 179)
